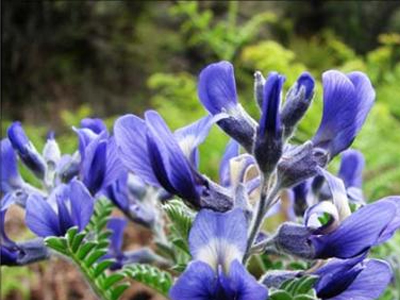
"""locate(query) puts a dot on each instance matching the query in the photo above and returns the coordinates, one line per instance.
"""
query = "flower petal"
(191, 136)
(95, 124)
(179, 171)
(41, 218)
(370, 283)
(10, 178)
(347, 101)
(82, 204)
(117, 226)
(244, 285)
(217, 87)
(231, 151)
(198, 282)
(351, 168)
(357, 233)
(131, 138)
(218, 238)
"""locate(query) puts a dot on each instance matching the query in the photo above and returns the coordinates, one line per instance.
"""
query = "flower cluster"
(143, 164)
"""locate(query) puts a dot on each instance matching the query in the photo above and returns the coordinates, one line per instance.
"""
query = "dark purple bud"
(268, 143)
(298, 100)
(216, 197)
(293, 239)
(298, 164)
(25, 149)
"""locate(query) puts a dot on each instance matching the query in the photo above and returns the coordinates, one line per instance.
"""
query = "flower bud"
(298, 100)
(26, 150)
(268, 143)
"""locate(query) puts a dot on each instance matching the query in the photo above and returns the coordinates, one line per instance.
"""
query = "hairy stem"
(262, 208)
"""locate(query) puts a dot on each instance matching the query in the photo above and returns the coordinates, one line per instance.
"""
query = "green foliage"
(225, 38)
(11, 279)
(181, 219)
(269, 56)
(150, 276)
(86, 250)
(296, 289)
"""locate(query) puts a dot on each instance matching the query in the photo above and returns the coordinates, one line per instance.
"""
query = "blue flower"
(231, 151)
(99, 162)
(351, 168)
(356, 278)
(26, 150)
(94, 124)
(67, 206)
(18, 253)
(128, 193)
(142, 255)
(348, 99)
(217, 244)
(297, 102)
(268, 143)
(10, 177)
(150, 150)
(217, 92)
(369, 226)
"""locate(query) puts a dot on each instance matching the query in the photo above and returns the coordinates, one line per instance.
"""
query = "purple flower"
(127, 193)
(369, 226)
(99, 164)
(348, 99)
(351, 168)
(26, 150)
(297, 102)
(217, 92)
(268, 143)
(10, 177)
(217, 243)
(356, 278)
(18, 253)
(94, 124)
(231, 151)
(67, 206)
(150, 150)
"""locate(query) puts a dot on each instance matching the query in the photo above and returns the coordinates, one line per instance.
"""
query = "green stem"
(264, 204)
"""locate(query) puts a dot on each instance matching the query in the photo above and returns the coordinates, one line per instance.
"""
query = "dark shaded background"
(59, 55)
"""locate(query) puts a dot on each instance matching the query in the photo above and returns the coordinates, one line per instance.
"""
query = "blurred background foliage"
(66, 60)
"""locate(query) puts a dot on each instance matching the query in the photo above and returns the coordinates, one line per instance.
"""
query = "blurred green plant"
(224, 37)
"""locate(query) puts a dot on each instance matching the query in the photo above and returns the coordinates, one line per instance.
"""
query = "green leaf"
(85, 249)
(304, 297)
(71, 233)
(77, 241)
(94, 256)
(181, 217)
(280, 295)
(158, 280)
(58, 244)
(102, 266)
(117, 291)
(111, 280)
(305, 284)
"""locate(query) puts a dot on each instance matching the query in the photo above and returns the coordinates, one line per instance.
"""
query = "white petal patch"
(219, 252)
(187, 145)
